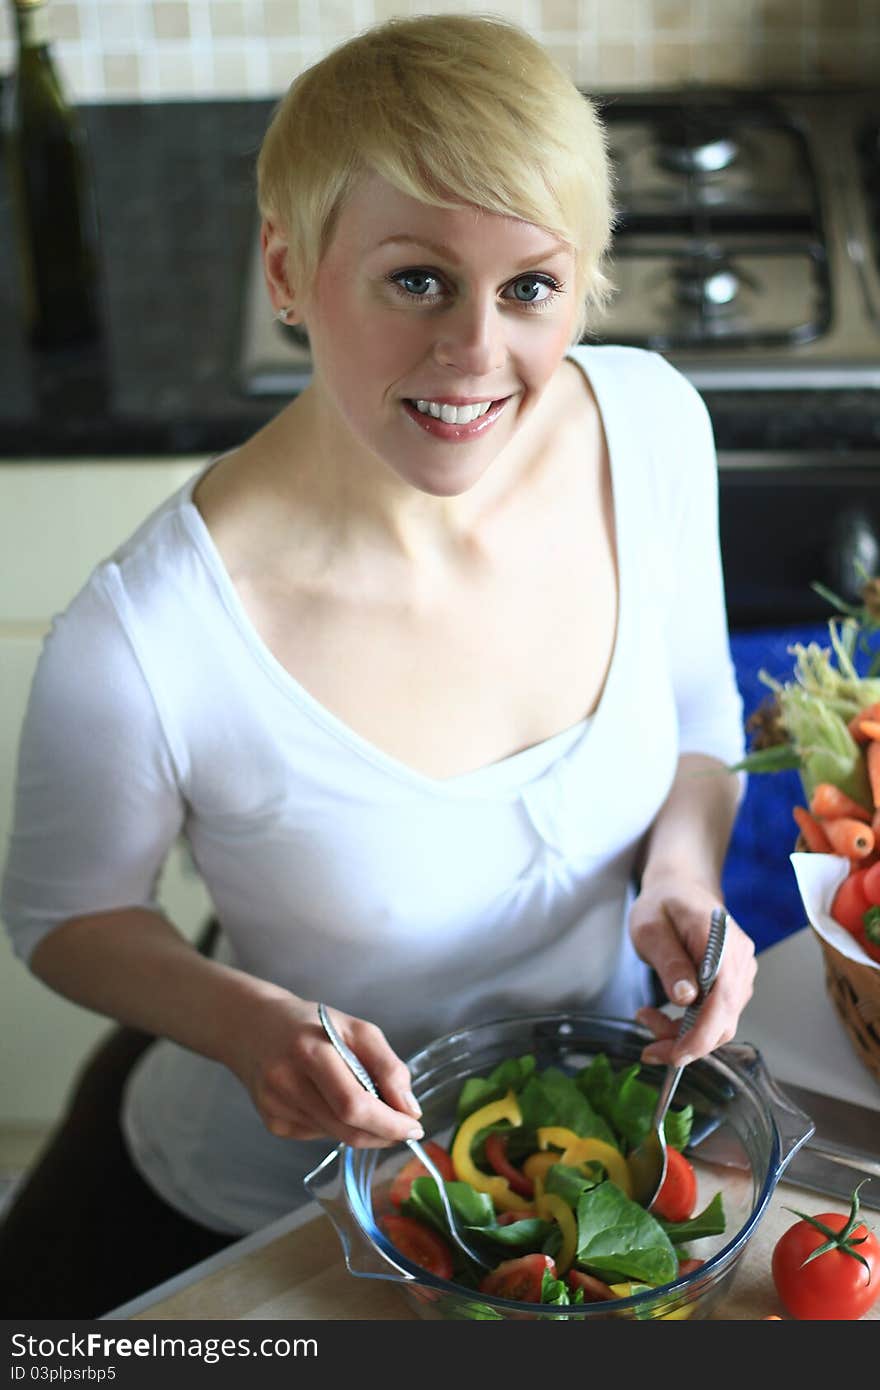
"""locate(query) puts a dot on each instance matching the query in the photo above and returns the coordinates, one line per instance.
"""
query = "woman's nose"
(471, 338)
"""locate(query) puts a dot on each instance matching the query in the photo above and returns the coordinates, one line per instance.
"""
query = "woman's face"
(434, 331)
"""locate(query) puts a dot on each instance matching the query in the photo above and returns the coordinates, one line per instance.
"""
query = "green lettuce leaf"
(569, 1183)
(557, 1291)
(618, 1240)
(554, 1098)
(709, 1222)
(472, 1208)
(477, 1091)
(628, 1104)
(527, 1236)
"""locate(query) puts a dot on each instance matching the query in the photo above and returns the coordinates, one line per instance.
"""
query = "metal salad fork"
(358, 1069)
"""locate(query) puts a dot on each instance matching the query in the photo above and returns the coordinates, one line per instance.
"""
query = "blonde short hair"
(452, 110)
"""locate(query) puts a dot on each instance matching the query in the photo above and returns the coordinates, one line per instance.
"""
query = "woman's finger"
(389, 1073)
(312, 1116)
(658, 943)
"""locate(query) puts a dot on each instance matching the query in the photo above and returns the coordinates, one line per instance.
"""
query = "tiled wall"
(123, 49)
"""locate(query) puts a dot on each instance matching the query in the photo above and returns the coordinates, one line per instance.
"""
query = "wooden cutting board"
(301, 1274)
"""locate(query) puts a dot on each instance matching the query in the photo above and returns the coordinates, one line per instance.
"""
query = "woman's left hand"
(669, 925)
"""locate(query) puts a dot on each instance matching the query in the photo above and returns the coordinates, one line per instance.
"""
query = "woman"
(429, 672)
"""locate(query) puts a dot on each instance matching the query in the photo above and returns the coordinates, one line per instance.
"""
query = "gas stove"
(746, 246)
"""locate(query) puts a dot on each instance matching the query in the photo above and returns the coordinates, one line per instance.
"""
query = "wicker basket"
(854, 989)
(855, 993)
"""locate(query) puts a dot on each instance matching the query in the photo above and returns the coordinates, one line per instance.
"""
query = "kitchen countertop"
(294, 1269)
(175, 184)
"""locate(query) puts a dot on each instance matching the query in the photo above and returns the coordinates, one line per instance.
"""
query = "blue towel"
(758, 880)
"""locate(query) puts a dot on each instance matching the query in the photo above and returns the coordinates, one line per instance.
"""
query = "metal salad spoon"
(358, 1069)
(647, 1161)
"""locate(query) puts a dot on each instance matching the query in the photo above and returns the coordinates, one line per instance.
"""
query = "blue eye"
(528, 289)
(417, 282)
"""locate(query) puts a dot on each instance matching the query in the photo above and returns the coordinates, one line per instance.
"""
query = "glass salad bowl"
(745, 1131)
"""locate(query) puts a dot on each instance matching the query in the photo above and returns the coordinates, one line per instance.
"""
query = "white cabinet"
(57, 521)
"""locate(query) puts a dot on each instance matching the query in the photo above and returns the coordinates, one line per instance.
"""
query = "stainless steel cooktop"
(747, 246)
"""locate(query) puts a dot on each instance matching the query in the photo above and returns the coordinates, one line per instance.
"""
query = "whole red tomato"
(828, 1266)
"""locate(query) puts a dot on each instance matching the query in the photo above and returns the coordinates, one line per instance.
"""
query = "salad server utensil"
(647, 1161)
(357, 1068)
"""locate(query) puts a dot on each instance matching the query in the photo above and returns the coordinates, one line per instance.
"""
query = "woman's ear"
(273, 242)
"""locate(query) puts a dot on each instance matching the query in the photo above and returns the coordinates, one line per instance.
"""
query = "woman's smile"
(452, 420)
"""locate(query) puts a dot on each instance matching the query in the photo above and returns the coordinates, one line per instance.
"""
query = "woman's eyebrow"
(439, 248)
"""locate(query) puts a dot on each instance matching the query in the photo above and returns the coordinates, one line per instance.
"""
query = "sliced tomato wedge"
(688, 1266)
(678, 1196)
(496, 1157)
(400, 1188)
(595, 1291)
(426, 1248)
(519, 1279)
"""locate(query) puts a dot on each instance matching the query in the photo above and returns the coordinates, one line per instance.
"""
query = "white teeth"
(453, 414)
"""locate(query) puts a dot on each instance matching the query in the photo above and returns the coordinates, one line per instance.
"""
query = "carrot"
(871, 714)
(829, 803)
(851, 838)
(814, 836)
(872, 760)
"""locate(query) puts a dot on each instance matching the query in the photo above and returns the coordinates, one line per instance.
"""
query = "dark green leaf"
(628, 1103)
(471, 1208)
(527, 1236)
(677, 1127)
(554, 1098)
(510, 1075)
(709, 1222)
(553, 1290)
(569, 1183)
(618, 1240)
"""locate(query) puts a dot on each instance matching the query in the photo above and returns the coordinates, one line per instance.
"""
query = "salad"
(537, 1176)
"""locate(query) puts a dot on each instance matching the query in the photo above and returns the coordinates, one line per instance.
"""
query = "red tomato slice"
(595, 1291)
(678, 1196)
(519, 1279)
(496, 1156)
(426, 1248)
(400, 1188)
(688, 1266)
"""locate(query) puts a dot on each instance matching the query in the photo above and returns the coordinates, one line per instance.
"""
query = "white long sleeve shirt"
(335, 870)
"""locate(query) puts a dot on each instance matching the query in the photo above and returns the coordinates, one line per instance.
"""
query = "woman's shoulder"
(148, 571)
(626, 370)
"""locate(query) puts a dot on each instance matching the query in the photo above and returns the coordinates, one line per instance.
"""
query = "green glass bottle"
(52, 193)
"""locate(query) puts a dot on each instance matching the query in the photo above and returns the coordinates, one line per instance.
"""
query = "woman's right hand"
(300, 1085)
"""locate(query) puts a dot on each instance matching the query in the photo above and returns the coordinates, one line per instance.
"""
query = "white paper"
(818, 877)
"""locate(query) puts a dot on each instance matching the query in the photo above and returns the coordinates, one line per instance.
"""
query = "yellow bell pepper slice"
(537, 1165)
(677, 1314)
(553, 1208)
(498, 1188)
(556, 1136)
(577, 1151)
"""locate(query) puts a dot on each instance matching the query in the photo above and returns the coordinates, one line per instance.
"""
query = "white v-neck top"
(335, 870)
